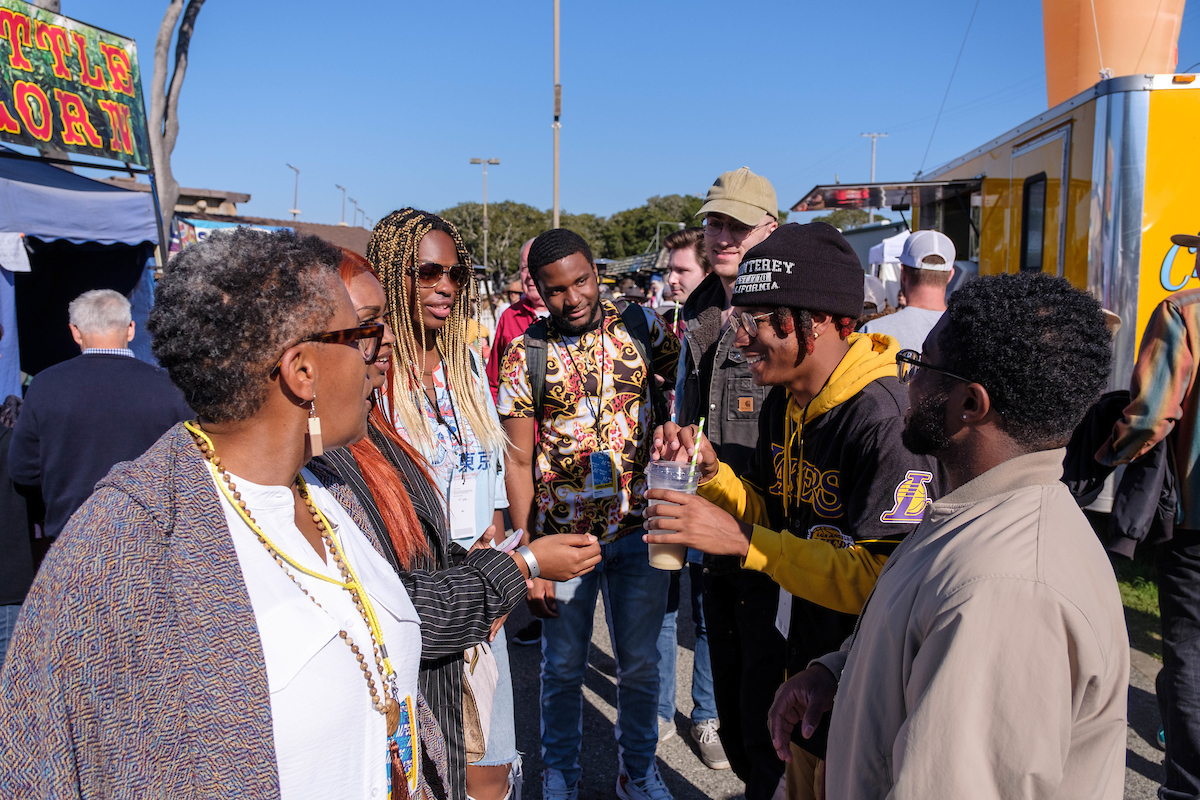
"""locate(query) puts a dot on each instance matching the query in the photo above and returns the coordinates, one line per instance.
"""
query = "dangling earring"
(314, 428)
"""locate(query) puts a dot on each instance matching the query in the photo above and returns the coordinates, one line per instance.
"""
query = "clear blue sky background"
(391, 99)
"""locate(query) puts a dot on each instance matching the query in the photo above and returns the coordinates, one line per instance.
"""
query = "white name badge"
(604, 477)
(462, 510)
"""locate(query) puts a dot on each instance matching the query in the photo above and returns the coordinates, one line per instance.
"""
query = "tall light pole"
(355, 217)
(295, 194)
(557, 113)
(343, 188)
(485, 162)
(873, 137)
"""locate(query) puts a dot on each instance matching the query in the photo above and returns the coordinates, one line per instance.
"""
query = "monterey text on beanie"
(810, 267)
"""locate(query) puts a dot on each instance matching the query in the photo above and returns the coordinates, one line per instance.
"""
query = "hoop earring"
(314, 428)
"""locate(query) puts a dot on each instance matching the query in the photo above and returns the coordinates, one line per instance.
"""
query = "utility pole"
(557, 113)
(295, 194)
(873, 137)
(343, 188)
(485, 162)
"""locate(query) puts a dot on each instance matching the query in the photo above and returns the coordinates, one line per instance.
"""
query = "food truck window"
(1033, 221)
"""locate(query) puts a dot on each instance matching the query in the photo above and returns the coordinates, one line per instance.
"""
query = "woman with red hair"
(458, 595)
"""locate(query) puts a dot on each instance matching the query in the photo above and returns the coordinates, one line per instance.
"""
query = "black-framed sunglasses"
(367, 338)
(429, 273)
(738, 230)
(749, 321)
(909, 363)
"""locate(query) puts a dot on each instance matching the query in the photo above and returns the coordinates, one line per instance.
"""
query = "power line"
(962, 47)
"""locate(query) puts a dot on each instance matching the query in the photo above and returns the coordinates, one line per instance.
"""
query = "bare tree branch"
(164, 97)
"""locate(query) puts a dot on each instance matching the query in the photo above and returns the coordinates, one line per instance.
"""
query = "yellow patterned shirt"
(596, 400)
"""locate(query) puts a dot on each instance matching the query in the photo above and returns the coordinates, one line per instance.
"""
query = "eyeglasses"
(749, 321)
(429, 274)
(738, 230)
(367, 338)
(909, 363)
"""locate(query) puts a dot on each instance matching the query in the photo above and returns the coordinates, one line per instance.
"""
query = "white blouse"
(329, 739)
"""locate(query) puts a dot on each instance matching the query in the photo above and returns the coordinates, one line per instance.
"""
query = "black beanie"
(810, 267)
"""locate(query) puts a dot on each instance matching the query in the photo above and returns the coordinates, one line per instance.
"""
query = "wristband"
(530, 561)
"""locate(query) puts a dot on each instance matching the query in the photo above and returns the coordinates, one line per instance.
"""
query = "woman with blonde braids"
(441, 404)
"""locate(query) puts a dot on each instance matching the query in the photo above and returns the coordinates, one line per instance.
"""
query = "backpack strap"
(535, 364)
(639, 330)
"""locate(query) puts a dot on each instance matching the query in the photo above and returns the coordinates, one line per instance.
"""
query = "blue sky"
(391, 99)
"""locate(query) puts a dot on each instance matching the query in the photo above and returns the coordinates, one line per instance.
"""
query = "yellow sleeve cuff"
(725, 490)
(766, 546)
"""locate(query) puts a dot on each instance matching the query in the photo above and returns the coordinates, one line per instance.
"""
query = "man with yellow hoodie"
(831, 489)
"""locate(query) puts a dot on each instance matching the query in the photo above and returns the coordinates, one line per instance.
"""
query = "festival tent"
(885, 263)
(62, 234)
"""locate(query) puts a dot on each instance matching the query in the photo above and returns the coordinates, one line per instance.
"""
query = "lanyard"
(601, 440)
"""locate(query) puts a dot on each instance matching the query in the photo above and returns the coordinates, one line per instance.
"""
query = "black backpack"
(639, 330)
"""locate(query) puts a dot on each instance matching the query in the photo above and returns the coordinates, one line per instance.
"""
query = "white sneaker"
(554, 787)
(666, 729)
(650, 787)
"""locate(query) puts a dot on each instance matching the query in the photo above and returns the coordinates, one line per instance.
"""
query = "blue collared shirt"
(109, 351)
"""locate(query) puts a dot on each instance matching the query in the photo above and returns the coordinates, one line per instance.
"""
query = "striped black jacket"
(457, 595)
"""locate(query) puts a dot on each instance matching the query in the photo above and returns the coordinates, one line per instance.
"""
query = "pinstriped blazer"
(136, 668)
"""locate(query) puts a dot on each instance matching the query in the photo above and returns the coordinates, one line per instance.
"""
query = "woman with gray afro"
(218, 619)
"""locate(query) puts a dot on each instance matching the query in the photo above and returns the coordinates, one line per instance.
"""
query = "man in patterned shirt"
(587, 463)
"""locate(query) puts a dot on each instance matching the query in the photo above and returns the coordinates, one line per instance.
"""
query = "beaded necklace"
(386, 704)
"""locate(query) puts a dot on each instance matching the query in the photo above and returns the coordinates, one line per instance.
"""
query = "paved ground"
(681, 767)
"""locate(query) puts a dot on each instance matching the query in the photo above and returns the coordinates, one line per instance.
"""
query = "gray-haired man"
(86, 414)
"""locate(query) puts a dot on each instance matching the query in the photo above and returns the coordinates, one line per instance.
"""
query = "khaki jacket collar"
(1032, 469)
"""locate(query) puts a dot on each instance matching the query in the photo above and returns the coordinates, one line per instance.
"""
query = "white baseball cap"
(922, 244)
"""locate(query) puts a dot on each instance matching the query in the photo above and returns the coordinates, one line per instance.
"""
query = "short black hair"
(227, 307)
(554, 245)
(1037, 344)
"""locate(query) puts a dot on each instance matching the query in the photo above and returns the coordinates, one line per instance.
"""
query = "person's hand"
(496, 626)
(563, 556)
(540, 599)
(673, 443)
(803, 698)
(485, 541)
(695, 522)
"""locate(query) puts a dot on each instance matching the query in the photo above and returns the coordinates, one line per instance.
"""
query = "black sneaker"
(530, 635)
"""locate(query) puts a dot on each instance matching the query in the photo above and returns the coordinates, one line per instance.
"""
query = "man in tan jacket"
(991, 660)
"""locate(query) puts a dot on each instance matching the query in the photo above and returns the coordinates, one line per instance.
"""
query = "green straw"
(696, 455)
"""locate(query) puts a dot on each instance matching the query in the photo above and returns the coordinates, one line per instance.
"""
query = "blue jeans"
(635, 598)
(8, 621)
(704, 702)
(502, 734)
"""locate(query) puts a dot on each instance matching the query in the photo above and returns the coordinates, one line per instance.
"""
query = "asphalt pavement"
(678, 759)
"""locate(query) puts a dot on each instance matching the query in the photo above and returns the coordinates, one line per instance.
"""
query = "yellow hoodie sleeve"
(834, 577)
(839, 578)
(735, 495)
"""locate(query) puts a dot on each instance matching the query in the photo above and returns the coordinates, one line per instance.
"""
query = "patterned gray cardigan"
(136, 668)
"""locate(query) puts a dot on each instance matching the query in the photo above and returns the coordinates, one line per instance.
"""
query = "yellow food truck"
(1090, 190)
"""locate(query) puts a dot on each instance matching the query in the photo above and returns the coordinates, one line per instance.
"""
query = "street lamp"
(873, 137)
(343, 188)
(485, 162)
(295, 194)
(654, 242)
(355, 202)
(557, 114)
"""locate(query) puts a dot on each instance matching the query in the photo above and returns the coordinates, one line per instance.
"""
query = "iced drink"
(671, 475)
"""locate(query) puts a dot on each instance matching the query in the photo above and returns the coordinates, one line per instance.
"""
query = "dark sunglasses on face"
(429, 274)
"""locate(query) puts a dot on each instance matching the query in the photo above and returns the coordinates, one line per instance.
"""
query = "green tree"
(845, 219)
(629, 232)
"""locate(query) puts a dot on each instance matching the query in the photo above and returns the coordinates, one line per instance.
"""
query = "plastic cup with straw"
(677, 477)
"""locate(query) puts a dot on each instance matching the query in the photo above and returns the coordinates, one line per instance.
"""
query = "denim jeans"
(635, 598)
(1178, 684)
(8, 620)
(502, 734)
(704, 704)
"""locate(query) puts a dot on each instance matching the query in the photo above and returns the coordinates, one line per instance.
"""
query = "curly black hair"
(1037, 344)
(554, 245)
(227, 307)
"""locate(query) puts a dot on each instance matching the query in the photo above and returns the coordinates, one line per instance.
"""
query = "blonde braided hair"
(392, 251)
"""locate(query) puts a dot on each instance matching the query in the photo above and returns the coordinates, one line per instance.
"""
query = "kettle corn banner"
(67, 85)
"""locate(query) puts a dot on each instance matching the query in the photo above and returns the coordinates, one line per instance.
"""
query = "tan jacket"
(992, 660)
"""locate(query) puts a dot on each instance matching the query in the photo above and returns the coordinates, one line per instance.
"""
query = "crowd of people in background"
(280, 563)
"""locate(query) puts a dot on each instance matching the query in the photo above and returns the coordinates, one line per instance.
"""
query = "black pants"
(747, 655)
(1178, 683)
